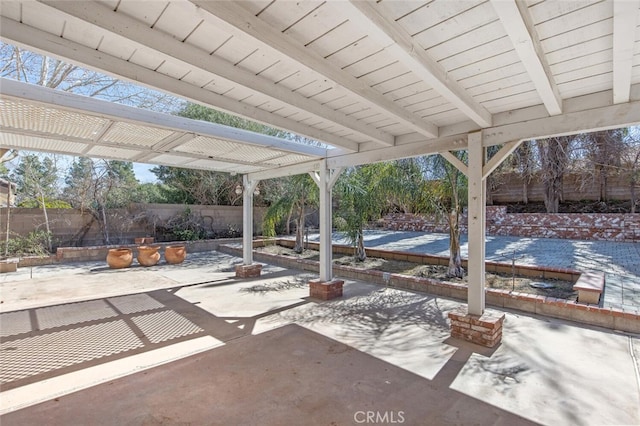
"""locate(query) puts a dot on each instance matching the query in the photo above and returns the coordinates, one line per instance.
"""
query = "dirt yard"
(560, 289)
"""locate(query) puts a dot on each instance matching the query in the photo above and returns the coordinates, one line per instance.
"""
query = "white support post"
(247, 219)
(325, 287)
(477, 209)
(326, 271)
(325, 181)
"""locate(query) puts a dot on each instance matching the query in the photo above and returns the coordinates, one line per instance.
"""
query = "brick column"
(248, 271)
(484, 330)
(325, 290)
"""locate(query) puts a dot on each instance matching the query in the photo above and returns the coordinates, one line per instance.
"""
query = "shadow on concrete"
(45, 342)
(287, 376)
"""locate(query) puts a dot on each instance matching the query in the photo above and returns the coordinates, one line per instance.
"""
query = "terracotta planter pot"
(143, 240)
(148, 255)
(119, 258)
(175, 254)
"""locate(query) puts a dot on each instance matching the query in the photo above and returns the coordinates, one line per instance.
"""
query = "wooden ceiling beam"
(516, 21)
(625, 20)
(402, 46)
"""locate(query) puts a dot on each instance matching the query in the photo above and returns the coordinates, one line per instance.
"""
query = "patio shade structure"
(375, 81)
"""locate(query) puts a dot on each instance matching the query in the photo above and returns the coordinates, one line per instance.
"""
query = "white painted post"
(326, 258)
(325, 181)
(477, 209)
(247, 219)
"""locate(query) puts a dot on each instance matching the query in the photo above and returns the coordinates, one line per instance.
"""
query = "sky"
(143, 173)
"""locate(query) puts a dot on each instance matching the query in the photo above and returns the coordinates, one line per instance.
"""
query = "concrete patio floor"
(190, 344)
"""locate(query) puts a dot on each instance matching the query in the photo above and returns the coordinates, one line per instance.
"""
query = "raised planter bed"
(612, 318)
(9, 265)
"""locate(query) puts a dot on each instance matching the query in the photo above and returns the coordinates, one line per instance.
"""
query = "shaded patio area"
(192, 344)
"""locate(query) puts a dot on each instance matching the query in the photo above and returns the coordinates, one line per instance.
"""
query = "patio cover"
(376, 80)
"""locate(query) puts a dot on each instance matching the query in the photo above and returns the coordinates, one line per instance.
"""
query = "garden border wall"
(578, 226)
(611, 318)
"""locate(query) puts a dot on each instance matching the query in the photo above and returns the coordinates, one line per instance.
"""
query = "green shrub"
(34, 244)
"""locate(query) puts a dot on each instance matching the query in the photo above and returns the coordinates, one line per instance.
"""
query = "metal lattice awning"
(40, 119)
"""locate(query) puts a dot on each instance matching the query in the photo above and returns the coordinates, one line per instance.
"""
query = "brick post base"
(248, 271)
(485, 329)
(325, 290)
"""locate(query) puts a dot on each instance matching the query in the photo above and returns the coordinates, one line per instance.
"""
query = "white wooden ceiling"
(363, 76)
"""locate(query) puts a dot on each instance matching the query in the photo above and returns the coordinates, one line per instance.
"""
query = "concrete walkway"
(619, 260)
(190, 344)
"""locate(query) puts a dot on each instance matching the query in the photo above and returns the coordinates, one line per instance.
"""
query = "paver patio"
(229, 351)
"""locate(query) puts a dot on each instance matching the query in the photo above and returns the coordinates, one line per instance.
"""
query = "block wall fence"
(123, 224)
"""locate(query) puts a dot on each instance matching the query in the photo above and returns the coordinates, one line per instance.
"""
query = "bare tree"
(23, 65)
(554, 157)
(605, 150)
(524, 163)
(631, 164)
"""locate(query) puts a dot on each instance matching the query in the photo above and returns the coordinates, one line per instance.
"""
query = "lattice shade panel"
(132, 134)
(251, 154)
(224, 167)
(288, 159)
(208, 146)
(111, 152)
(170, 159)
(41, 144)
(20, 115)
(241, 169)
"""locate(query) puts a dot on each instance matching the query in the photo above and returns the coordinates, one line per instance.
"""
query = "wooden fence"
(510, 188)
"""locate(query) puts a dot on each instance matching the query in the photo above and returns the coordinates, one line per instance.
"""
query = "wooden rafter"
(625, 20)
(517, 23)
(411, 54)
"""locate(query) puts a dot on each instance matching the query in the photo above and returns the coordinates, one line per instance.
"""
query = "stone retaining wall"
(579, 226)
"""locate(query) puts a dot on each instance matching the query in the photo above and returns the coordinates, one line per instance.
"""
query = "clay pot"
(143, 240)
(119, 258)
(175, 254)
(148, 255)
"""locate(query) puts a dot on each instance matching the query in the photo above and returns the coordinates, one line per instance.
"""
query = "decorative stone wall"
(580, 226)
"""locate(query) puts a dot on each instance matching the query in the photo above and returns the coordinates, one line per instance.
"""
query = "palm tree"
(362, 195)
(299, 193)
(447, 196)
